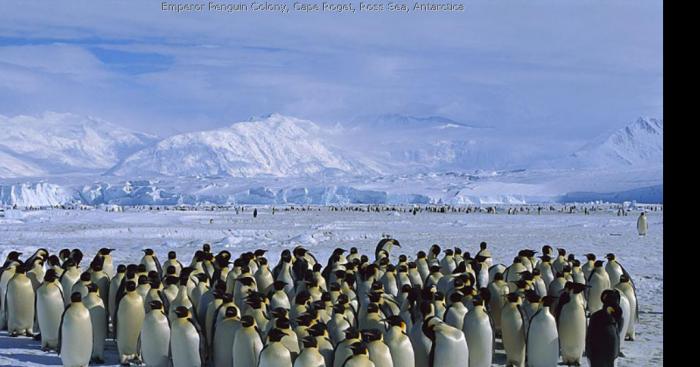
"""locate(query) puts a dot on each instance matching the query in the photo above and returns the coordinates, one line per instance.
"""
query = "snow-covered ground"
(321, 231)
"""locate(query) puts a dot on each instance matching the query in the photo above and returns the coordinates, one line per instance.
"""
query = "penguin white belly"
(401, 351)
(421, 345)
(629, 293)
(572, 332)
(246, 348)
(76, 337)
(309, 357)
(98, 318)
(20, 301)
(542, 341)
(479, 340)
(626, 315)
(49, 308)
(184, 344)
(223, 342)
(275, 355)
(155, 339)
(129, 322)
(598, 284)
(513, 336)
(450, 348)
(379, 354)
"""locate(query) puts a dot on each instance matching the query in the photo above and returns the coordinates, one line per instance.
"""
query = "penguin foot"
(629, 338)
(37, 337)
(29, 334)
(14, 334)
(97, 360)
(621, 355)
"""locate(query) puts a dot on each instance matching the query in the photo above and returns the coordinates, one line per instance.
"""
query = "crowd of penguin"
(442, 308)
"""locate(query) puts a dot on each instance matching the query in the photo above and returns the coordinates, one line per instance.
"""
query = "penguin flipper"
(60, 331)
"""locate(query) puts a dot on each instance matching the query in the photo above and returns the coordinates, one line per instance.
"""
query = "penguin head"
(513, 297)
(156, 305)
(148, 252)
(420, 255)
(309, 342)
(547, 250)
(359, 348)
(610, 297)
(247, 321)
(92, 288)
(351, 333)
(318, 330)
(182, 312)
(590, 257)
(372, 308)
(371, 335)
(53, 260)
(561, 251)
(610, 257)
(548, 301)
(21, 269)
(206, 247)
(50, 275)
(76, 297)
(130, 286)
(456, 297)
(279, 285)
(85, 277)
(483, 245)
(121, 269)
(532, 296)
(172, 255)
(105, 251)
(624, 278)
(143, 280)
(598, 264)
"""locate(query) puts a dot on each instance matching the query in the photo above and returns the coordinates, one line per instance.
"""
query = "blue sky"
(542, 70)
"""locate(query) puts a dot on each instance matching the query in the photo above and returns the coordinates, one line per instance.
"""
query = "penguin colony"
(441, 308)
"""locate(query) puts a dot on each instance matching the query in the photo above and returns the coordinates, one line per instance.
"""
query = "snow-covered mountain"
(277, 146)
(638, 144)
(63, 143)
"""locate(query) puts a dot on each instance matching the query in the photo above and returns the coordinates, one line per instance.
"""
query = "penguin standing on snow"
(542, 337)
(19, 300)
(49, 308)
(513, 331)
(186, 343)
(155, 337)
(75, 343)
(603, 336)
(247, 343)
(642, 225)
(571, 321)
(98, 319)
(479, 334)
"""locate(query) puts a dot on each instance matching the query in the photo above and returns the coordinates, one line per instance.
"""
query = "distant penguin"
(19, 300)
(247, 343)
(479, 334)
(98, 319)
(642, 225)
(224, 337)
(598, 281)
(399, 343)
(513, 331)
(310, 355)
(603, 334)
(154, 339)
(571, 321)
(186, 343)
(49, 308)
(626, 287)
(129, 320)
(75, 345)
(543, 338)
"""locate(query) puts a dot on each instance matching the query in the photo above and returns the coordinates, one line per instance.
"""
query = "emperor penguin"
(263, 277)
(513, 331)
(359, 356)
(626, 315)
(603, 334)
(379, 352)
(247, 343)
(107, 261)
(571, 320)
(49, 308)
(626, 287)
(546, 270)
(275, 354)
(485, 252)
(323, 342)
(75, 344)
(155, 337)
(614, 269)
(343, 350)
(151, 261)
(310, 355)
(113, 288)
(479, 334)
(542, 337)
(399, 343)
(82, 283)
(174, 262)
(129, 321)
(576, 272)
(642, 224)
(98, 319)
(19, 300)
(413, 275)
(498, 290)
(101, 279)
(70, 276)
(598, 281)
(338, 324)
(422, 265)
(447, 264)
(449, 347)
(560, 261)
(224, 337)
(512, 273)
(589, 266)
(7, 271)
(186, 343)
(456, 311)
